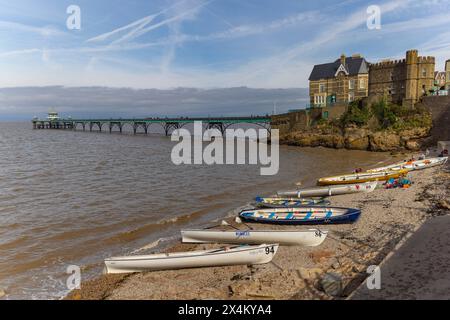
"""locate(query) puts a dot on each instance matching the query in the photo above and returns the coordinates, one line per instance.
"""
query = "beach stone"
(443, 204)
(309, 273)
(331, 284)
(336, 265)
(412, 145)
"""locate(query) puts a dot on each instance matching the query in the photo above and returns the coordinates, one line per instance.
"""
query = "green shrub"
(382, 115)
(356, 114)
(386, 114)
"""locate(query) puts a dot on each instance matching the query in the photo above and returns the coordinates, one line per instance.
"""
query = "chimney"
(343, 59)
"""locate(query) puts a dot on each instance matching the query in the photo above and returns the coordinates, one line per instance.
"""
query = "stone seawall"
(439, 106)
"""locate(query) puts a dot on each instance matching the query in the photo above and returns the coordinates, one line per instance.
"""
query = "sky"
(208, 44)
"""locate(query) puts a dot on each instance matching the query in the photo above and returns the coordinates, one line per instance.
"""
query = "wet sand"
(388, 217)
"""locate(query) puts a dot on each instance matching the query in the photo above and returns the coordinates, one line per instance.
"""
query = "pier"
(168, 124)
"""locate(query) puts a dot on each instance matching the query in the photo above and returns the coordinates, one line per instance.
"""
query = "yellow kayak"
(362, 177)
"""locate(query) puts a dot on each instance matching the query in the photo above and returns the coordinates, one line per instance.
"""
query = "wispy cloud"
(134, 26)
(45, 31)
(283, 68)
(262, 46)
(140, 27)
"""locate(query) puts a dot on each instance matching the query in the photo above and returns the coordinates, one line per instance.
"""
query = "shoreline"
(388, 216)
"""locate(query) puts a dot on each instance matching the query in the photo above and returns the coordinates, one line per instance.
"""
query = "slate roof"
(353, 65)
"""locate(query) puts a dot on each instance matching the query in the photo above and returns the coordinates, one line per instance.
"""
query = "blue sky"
(198, 43)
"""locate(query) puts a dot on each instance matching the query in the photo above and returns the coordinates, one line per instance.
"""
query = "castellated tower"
(411, 81)
(419, 76)
(402, 81)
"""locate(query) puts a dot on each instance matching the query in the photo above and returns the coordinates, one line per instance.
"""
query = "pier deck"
(168, 124)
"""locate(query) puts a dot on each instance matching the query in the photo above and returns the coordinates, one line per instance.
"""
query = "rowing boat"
(302, 215)
(238, 255)
(332, 190)
(413, 165)
(279, 202)
(311, 237)
(362, 177)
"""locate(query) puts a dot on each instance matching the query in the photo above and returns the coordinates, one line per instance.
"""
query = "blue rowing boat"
(301, 215)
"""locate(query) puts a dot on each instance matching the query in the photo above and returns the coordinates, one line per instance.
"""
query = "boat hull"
(243, 255)
(312, 215)
(333, 190)
(310, 238)
(413, 165)
(361, 177)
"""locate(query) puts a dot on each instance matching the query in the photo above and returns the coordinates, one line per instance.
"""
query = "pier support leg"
(217, 125)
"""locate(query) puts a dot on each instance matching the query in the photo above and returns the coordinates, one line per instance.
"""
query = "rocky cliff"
(358, 138)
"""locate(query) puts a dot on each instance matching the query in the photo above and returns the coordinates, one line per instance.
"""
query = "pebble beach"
(389, 218)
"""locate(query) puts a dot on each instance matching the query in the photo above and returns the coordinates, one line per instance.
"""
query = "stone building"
(439, 79)
(402, 81)
(339, 82)
(447, 74)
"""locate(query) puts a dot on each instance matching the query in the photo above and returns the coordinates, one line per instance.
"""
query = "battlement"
(427, 59)
(392, 63)
(387, 64)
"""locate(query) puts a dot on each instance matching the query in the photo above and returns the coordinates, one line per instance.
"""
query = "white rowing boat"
(412, 165)
(333, 190)
(361, 177)
(239, 255)
(310, 237)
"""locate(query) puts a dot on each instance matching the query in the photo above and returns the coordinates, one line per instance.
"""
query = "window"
(322, 87)
(351, 84)
(362, 83)
(351, 96)
(424, 72)
(319, 99)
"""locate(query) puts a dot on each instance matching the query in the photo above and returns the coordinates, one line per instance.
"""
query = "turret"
(343, 59)
(412, 73)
